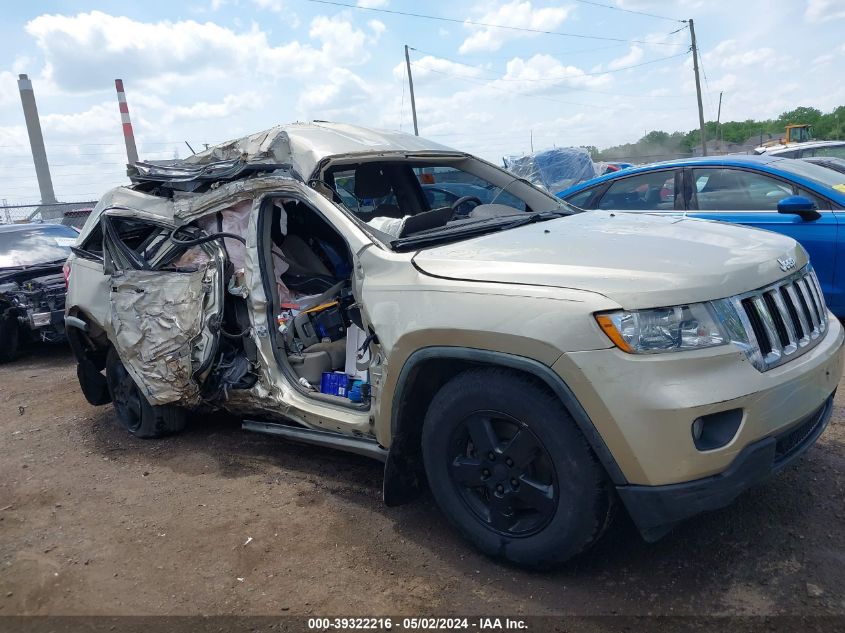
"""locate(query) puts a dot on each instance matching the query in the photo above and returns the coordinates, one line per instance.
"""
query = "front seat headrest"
(371, 181)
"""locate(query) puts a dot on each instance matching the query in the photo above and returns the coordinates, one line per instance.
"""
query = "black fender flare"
(400, 485)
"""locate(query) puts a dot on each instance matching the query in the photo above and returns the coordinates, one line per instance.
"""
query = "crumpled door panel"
(156, 319)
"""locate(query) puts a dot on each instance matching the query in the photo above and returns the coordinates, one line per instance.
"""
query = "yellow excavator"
(797, 133)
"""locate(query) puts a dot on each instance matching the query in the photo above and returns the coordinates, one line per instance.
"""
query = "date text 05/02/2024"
(418, 624)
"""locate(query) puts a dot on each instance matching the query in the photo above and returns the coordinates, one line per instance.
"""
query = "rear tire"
(9, 339)
(134, 412)
(510, 469)
(94, 386)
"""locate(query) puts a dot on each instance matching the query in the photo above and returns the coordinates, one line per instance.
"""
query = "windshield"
(403, 197)
(817, 173)
(35, 245)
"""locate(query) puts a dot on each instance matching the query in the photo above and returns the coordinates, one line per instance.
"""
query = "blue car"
(793, 197)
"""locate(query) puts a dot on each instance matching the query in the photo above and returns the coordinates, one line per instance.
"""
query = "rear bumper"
(655, 509)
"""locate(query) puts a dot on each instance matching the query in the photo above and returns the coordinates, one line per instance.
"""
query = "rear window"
(817, 173)
(837, 151)
(36, 245)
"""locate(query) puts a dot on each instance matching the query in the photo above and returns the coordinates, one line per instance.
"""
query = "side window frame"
(84, 250)
(795, 188)
(597, 200)
(119, 256)
(589, 201)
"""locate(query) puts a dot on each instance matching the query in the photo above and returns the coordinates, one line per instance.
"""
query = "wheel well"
(404, 472)
(91, 346)
(428, 370)
(422, 383)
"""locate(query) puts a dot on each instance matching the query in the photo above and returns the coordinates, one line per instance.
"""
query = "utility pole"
(411, 86)
(698, 87)
(719, 123)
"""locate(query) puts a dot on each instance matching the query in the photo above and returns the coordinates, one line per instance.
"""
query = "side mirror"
(799, 205)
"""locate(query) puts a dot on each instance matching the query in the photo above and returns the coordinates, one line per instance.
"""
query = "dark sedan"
(32, 285)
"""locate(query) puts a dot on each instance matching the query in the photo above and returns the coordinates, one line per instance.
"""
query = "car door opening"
(319, 338)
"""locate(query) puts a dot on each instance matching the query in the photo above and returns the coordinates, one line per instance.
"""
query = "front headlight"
(675, 329)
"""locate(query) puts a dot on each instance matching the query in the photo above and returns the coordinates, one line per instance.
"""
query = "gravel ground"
(221, 521)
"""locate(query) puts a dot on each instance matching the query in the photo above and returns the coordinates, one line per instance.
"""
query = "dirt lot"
(218, 520)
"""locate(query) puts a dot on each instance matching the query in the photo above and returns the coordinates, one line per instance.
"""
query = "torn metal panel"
(156, 319)
(141, 205)
(305, 145)
(189, 207)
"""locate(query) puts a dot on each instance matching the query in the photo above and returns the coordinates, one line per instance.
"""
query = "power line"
(489, 58)
(570, 76)
(533, 96)
(607, 6)
(523, 29)
(104, 144)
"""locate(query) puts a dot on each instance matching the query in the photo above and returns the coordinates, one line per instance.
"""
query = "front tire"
(134, 412)
(511, 471)
(9, 339)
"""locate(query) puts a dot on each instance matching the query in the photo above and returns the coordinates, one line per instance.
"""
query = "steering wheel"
(463, 200)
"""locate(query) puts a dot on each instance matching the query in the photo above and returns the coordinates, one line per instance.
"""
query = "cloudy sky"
(204, 71)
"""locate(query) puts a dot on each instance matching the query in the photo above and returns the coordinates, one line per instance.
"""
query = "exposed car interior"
(318, 332)
(403, 198)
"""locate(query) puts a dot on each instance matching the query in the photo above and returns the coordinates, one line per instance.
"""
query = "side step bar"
(357, 445)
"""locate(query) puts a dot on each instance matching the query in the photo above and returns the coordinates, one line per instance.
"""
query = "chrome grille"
(783, 320)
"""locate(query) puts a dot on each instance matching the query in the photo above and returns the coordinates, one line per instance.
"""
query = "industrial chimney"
(36, 140)
(128, 134)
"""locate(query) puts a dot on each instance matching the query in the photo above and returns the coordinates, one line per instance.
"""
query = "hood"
(45, 275)
(639, 261)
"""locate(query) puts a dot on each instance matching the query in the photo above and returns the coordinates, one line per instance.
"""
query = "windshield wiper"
(477, 228)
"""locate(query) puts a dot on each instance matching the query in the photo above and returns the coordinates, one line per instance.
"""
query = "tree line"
(829, 125)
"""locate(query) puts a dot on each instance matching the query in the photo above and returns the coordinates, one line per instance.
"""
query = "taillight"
(66, 273)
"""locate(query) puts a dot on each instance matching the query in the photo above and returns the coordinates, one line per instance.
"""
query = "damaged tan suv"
(384, 295)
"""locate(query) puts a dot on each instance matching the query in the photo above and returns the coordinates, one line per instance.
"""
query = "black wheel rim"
(126, 397)
(503, 473)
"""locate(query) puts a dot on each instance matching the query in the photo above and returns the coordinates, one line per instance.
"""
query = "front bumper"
(655, 509)
(49, 325)
(643, 407)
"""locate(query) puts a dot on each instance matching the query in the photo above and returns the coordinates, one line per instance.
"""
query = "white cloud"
(8, 88)
(823, 60)
(372, 4)
(88, 50)
(824, 10)
(634, 56)
(377, 27)
(341, 96)
(427, 65)
(233, 104)
(14, 136)
(728, 54)
(658, 6)
(97, 119)
(516, 13)
(276, 6)
(541, 72)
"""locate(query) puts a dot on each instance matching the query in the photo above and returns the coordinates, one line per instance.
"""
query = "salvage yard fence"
(56, 212)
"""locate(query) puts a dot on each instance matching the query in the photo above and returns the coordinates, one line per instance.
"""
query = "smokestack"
(36, 140)
(128, 135)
